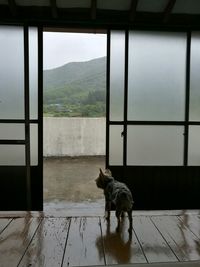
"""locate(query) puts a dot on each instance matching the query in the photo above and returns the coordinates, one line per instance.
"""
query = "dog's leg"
(107, 210)
(122, 214)
(118, 213)
(130, 221)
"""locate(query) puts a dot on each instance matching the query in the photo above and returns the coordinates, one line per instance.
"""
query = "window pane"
(156, 78)
(195, 78)
(194, 145)
(12, 131)
(34, 144)
(12, 155)
(155, 145)
(117, 57)
(11, 72)
(33, 72)
(116, 145)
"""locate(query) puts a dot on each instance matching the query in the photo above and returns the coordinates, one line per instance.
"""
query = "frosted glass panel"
(116, 145)
(12, 131)
(33, 72)
(156, 84)
(195, 78)
(11, 72)
(194, 145)
(155, 145)
(34, 144)
(117, 57)
(11, 155)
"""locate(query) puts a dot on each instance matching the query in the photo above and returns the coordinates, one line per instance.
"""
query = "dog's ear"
(108, 172)
(101, 173)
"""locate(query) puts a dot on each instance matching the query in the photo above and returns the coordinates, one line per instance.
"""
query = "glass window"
(116, 145)
(33, 72)
(117, 63)
(156, 77)
(11, 72)
(12, 155)
(155, 145)
(194, 145)
(12, 131)
(195, 78)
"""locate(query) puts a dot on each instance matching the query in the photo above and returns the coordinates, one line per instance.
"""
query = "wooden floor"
(87, 241)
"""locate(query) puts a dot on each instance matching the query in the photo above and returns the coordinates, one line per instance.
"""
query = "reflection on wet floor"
(120, 247)
(69, 182)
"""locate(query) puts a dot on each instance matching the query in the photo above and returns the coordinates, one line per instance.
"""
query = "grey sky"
(61, 48)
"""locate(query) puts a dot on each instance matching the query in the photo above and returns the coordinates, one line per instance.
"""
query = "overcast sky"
(61, 48)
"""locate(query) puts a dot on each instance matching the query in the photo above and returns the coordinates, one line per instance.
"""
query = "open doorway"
(74, 108)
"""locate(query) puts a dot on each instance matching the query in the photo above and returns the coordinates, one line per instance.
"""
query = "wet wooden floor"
(90, 241)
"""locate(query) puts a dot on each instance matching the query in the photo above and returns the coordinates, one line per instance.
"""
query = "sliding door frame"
(30, 184)
(178, 178)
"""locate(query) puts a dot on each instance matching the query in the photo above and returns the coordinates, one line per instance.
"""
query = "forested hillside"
(76, 89)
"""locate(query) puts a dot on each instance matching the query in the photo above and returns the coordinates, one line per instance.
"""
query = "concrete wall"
(74, 136)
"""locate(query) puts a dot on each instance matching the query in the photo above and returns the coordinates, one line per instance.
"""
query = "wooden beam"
(93, 9)
(133, 9)
(13, 7)
(168, 9)
(54, 9)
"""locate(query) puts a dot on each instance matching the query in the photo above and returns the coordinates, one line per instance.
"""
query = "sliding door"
(153, 121)
(20, 123)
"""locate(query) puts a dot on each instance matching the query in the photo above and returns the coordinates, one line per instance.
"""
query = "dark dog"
(115, 193)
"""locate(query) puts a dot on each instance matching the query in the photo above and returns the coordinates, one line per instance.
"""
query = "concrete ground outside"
(69, 182)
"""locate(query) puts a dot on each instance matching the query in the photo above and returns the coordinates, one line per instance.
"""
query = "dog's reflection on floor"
(117, 244)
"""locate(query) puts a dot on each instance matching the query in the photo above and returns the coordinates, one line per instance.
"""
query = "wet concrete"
(69, 182)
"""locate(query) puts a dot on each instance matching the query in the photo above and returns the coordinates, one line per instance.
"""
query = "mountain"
(77, 72)
(76, 88)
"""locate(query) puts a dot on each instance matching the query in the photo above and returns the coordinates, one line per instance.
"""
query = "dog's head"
(104, 178)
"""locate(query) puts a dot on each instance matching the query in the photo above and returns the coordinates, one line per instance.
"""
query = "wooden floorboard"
(157, 240)
(15, 239)
(120, 248)
(192, 222)
(181, 240)
(84, 246)
(4, 222)
(154, 246)
(48, 245)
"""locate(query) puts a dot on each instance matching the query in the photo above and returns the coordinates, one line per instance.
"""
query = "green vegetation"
(76, 89)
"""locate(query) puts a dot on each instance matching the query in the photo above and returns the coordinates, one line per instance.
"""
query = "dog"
(116, 193)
